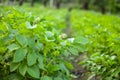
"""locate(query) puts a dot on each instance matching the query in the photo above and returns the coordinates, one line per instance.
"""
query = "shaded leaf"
(14, 66)
(80, 48)
(54, 67)
(66, 53)
(73, 51)
(31, 43)
(46, 78)
(40, 62)
(63, 68)
(22, 40)
(13, 47)
(82, 40)
(58, 78)
(19, 55)
(31, 58)
(13, 76)
(33, 71)
(23, 68)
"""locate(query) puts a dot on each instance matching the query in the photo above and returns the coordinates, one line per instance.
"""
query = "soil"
(79, 70)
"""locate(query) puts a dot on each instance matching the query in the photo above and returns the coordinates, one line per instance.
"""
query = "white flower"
(63, 36)
(71, 40)
(63, 43)
(29, 26)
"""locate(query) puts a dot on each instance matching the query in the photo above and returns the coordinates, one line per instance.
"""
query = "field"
(38, 43)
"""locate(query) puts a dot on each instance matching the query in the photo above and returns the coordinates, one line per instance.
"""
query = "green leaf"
(1, 32)
(40, 62)
(80, 48)
(22, 40)
(31, 58)
(31, 43)
(73, 51)
(14, 66)
(1, 57)
(13, 47)
(33, 71)
(13, 76)
(73, 76)
(49, 36)
(95, 55)
(40, 46)
(58, 78)
(82, 40)
(116, 72)
(46, 78)
(63, 68)
(69, 65)
(54, 67)
(66, 53)
(19, 55)
(23, 68)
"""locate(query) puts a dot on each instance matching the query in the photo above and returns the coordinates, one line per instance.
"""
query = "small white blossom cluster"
(69, 40)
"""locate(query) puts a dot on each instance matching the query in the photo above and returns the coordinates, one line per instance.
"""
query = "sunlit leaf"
(69, 65)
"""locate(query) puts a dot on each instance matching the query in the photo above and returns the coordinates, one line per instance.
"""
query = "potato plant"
(103, 48)
(32, 46)
(30, 50)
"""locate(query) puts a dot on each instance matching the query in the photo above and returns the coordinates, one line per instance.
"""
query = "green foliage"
(109, 5)
(31, 46)
(103, 65)
(34, 71)
(103, 46)
(31, 59)
(19, 55)
(32, 49)
(23, 68)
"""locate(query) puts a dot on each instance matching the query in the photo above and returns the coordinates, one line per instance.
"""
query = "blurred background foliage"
(104, 6)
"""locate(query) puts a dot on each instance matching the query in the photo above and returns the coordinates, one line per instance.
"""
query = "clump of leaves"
(31, 51)
(102, 65)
